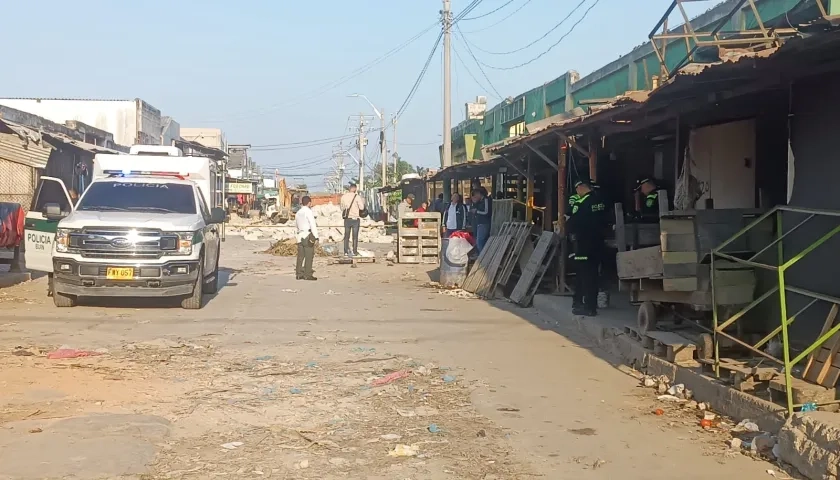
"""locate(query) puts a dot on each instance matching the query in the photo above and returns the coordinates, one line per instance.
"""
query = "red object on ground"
(64, 353)
(391, 377)
(465, 235)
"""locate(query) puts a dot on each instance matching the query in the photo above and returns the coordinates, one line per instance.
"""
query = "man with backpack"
(352, 211)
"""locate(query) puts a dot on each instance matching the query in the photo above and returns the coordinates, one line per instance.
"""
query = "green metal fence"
(781, 266)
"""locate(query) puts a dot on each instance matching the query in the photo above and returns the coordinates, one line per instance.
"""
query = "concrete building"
(131, 121)
(32, 146)
(209, 137)
(170, 131)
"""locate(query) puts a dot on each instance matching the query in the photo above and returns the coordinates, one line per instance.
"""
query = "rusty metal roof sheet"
(88, 147)
(23, 145)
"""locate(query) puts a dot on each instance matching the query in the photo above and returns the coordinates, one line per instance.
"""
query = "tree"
(374, 179)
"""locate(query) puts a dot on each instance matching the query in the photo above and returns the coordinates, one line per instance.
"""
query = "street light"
(359, 95)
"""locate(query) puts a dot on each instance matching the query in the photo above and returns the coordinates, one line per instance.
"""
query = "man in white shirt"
(307, 237)
(352, 208)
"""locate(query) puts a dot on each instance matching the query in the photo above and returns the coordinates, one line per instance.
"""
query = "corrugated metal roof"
(88, 147)
(536, 129)
(23, 145)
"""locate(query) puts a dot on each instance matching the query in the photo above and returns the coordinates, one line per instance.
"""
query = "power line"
(585, 14)
(330, 139)
(416, 85)
(502, 19)
(555, 27)
(463, 64)
(342, 80)
(491, 12)
(469, 50)
(466, 11)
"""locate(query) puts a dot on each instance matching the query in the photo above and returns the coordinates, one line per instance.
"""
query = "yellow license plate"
(119, 273)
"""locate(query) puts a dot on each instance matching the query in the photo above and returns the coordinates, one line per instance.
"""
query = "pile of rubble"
(330, 225)
(288, 248)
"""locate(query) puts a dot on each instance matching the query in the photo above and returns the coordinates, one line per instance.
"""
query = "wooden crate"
(641, 263)
(421, 243)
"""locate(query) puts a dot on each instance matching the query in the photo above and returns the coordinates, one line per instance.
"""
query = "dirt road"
(278, 378)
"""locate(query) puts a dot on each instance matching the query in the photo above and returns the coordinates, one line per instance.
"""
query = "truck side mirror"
(218, 215)
(52, 211)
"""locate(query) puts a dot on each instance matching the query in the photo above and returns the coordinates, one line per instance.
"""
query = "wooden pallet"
(420, 244)
(670, 346)
(350, 260)
(744, 375)
(487, 285)
(525, 289)
(477, 274)
(520, 234)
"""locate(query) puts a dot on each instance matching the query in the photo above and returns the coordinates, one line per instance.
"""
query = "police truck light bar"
(145, 173)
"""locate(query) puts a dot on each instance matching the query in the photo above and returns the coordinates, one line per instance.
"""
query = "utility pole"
(396, 155)
(446, 19)
(383, 153)
(362, 141)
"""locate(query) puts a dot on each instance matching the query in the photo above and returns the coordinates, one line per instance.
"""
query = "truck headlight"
(185, 242)
(62, 239)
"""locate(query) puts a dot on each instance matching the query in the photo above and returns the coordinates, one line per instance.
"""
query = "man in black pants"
(307, 238)
(352, 209)
(587, 224)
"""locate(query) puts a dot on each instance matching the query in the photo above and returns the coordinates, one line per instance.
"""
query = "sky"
(282, 72)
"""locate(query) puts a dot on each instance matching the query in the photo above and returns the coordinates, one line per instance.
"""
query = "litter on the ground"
(65, 353)
(405, 451)
(232, 445)
(391, 377)
(669, 398)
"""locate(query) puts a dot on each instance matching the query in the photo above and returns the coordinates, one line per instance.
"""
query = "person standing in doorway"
(405, 207)
(438, 205)
(352, 207)
(587, 224)
(482, 218)
(454, 216)
(307, 238)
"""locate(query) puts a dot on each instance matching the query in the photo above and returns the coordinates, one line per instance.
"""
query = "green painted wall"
(632, 72)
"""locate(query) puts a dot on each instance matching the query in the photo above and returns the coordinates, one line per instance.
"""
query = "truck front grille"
(122, 243)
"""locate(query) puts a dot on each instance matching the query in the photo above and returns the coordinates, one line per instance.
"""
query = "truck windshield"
(138, 197)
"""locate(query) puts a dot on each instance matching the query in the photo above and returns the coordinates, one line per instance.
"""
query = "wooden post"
(494, 184)
(562, 175)
(529, 193)
(593, 161)
(548, 199)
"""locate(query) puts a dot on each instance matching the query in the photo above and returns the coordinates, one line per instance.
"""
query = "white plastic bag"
(457, 252)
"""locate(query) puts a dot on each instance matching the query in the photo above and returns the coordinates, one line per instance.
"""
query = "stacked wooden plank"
(496, 262)
(532, 275)
(420, 242)
(823, 367)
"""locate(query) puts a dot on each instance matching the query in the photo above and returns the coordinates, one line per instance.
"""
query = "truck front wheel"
(59, 299)
(194, 301)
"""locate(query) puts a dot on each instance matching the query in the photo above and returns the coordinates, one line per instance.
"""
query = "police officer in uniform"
(646, 188)
(603, 291)
(587, 224)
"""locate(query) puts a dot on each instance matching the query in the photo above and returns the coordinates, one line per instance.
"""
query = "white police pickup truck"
(142, 228)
